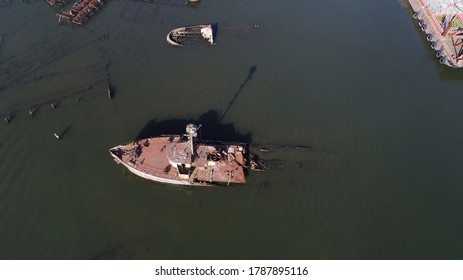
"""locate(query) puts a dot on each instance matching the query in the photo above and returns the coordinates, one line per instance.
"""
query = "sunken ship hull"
(179, 36)
(181, 160)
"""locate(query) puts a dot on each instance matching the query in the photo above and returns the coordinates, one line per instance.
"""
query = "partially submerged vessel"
(184, 160)
(179, 36)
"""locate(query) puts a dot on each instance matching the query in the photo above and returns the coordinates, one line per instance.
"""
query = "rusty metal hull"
(169, 160)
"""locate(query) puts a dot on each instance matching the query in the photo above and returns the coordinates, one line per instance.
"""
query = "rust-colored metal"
(437, 19)
(81, 11)
(182, 160)
(56, 3)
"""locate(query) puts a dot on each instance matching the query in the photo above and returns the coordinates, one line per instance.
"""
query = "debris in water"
(441, 21)
(182, 35)
(110, 94)
(184, 160)
(4, 3)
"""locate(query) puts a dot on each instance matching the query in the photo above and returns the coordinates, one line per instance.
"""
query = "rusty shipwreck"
(184, 160)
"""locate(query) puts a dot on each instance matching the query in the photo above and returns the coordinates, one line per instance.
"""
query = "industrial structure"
(442, 21)
(81, 11)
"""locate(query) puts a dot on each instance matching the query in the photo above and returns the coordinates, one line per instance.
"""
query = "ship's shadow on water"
(212, 128)
(212, 124)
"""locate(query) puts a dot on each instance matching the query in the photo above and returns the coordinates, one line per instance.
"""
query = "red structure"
(81, 11)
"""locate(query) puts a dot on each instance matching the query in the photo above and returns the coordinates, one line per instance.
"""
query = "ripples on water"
(355, 81)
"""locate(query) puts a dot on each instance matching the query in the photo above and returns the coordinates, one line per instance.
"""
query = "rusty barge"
(179, 36)
(442, 21)
(184, 160)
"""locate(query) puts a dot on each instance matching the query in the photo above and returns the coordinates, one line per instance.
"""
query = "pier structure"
(81, 11)
(442, 21)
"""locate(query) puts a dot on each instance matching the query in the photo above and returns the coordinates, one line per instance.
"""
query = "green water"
(354, 80)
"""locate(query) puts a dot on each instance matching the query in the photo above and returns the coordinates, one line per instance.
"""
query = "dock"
(442, 21)
(56, 3)
(81, 11)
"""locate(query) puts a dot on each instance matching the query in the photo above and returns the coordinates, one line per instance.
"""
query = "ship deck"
(150, 156)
